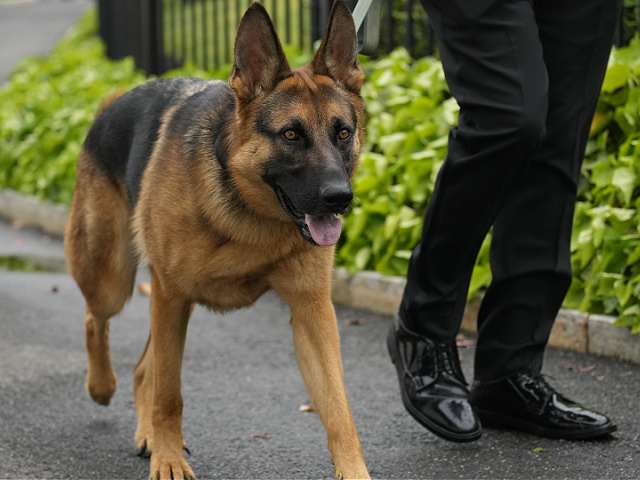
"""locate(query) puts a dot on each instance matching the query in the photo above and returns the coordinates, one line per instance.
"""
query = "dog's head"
(298, 133)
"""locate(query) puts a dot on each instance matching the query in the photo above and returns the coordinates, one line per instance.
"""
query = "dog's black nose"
(336, 197)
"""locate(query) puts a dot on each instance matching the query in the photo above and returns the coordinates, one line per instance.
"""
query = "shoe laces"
(448, 361)
(540, 388)
(540, 381)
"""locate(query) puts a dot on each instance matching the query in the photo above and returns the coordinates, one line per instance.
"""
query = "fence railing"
(165, 34)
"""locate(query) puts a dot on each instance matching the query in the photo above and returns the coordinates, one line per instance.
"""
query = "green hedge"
(49, 104)
(606, 235)
(47, 107)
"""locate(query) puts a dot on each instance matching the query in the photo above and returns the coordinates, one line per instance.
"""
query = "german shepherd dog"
(225, 191)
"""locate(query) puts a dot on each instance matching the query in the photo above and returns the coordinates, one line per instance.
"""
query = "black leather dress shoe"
(432, 385)
(527, 403)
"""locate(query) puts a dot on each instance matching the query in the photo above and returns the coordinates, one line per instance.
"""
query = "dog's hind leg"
(100, 258)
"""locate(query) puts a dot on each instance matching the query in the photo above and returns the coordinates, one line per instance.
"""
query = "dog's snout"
(336, 197)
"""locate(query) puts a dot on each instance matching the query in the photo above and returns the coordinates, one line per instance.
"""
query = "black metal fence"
(165, 34)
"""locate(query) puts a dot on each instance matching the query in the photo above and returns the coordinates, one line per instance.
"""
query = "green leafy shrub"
(606, 234)
(409, 114)
(47, 107)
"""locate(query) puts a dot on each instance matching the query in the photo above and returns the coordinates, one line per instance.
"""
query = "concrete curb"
(374, 292)
(31, 212)
(572, 330)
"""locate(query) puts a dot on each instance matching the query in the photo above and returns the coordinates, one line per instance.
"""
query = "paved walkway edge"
(372, 291)
(31, 212)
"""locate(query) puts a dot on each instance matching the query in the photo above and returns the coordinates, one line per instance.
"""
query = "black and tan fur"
(215, 186)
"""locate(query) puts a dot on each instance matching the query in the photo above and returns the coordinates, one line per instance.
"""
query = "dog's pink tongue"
(325, 229)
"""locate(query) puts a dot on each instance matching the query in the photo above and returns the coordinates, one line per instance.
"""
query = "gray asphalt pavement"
(29, 27)
(242, 392)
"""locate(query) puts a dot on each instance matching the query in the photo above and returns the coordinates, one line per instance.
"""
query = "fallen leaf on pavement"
(145, 288)
(580, 369)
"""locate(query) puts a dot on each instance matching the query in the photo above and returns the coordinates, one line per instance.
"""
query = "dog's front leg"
(317, 346)
(169, 318)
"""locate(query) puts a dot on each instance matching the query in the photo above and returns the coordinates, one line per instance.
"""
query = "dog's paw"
(169, 468)
(143, 446)
(359, 476)
(101, 388)
(356, 471)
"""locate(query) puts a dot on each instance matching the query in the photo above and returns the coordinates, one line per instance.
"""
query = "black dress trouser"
(527, 75)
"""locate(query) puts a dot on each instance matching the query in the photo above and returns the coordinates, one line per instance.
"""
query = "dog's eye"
(290, 135)
(344, 134)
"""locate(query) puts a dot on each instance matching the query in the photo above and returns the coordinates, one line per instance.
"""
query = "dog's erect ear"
(259, 61)
(337, 56)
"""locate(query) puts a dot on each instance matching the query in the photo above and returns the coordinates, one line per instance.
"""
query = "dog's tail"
(109, 98)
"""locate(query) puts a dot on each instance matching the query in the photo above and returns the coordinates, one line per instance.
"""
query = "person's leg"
(530, 256)
(493, 62)
(494, 66)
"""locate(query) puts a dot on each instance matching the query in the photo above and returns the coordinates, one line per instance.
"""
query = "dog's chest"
(227, 277)
(229, 294)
